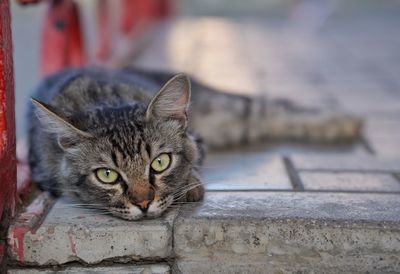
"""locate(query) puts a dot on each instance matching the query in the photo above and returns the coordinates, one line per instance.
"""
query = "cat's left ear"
(172, 101)
(67, 134)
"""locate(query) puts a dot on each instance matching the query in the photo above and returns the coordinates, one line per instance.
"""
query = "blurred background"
(334, 53)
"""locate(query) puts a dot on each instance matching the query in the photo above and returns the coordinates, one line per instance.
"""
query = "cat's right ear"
(67, 134)
(172, 101)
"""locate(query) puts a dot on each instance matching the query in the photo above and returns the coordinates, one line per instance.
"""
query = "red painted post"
(103, 24)
(76, 54)
(128, 15)
(28, 2)
(7, 129)
(62, 43)
(164, 9)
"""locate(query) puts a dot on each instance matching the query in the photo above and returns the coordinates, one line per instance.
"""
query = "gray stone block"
(384, 135)
(345, 163)
(349, 181)
(282, 232)
(244, 170)
(74, 234)
(125, 269)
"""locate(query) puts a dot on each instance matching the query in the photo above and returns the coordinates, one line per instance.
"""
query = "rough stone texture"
(125, 269)
(245, 170)
(367, 209)
(349, 181)
(266, 232)
(238, 266)
(74, 234)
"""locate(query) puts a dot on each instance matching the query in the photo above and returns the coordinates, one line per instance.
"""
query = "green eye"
(106, 175)
(161, 163)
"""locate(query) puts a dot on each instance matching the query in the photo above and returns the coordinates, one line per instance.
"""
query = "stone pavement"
(273, 208)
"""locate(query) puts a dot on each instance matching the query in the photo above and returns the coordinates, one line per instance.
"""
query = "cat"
(130, 142)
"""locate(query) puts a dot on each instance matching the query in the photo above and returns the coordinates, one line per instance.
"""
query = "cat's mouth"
(134, 216)
(133, 213)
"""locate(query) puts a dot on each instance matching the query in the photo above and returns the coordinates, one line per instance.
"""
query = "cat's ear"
(68, 135)
(172, 101)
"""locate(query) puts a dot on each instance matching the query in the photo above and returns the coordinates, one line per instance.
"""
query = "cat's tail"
(225, 119)
(286, 121)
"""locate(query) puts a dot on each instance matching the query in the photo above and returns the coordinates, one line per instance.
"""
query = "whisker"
(190, 184)
(188, 187)
(184, 189)
(179, 196)
(184, 203)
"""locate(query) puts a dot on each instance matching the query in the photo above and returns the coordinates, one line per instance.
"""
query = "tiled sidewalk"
(274, 208)
(348, 65)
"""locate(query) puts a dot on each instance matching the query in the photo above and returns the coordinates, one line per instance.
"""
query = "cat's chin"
(140, 216)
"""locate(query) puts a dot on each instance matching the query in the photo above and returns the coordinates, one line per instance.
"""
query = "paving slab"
(349, 181)
(346, 163)
(385, 146)
(261, 166)
(279, 231)
(384, 135)
(246, 170)
(71, 234)
(125, 269)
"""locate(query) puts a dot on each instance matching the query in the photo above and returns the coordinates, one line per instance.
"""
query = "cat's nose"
(142, 197)
(143, 205)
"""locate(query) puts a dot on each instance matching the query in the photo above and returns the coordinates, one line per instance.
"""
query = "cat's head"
(132, 161)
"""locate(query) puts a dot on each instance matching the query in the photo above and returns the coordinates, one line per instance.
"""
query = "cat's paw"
(195, 194)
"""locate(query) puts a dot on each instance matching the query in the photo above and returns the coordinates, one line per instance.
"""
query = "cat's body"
(92, 120)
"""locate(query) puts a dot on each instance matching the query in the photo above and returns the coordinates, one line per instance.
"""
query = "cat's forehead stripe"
(139, 144)
(117, 146)
(114, 158)
(148, 150)
(145, 153)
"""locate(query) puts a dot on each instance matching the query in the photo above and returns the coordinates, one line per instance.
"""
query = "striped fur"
(92, 118)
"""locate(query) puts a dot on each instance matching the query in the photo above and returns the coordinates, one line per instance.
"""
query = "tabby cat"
(120, 142)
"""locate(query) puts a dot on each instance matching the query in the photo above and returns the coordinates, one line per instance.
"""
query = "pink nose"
(143, 205)
(142, 197)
